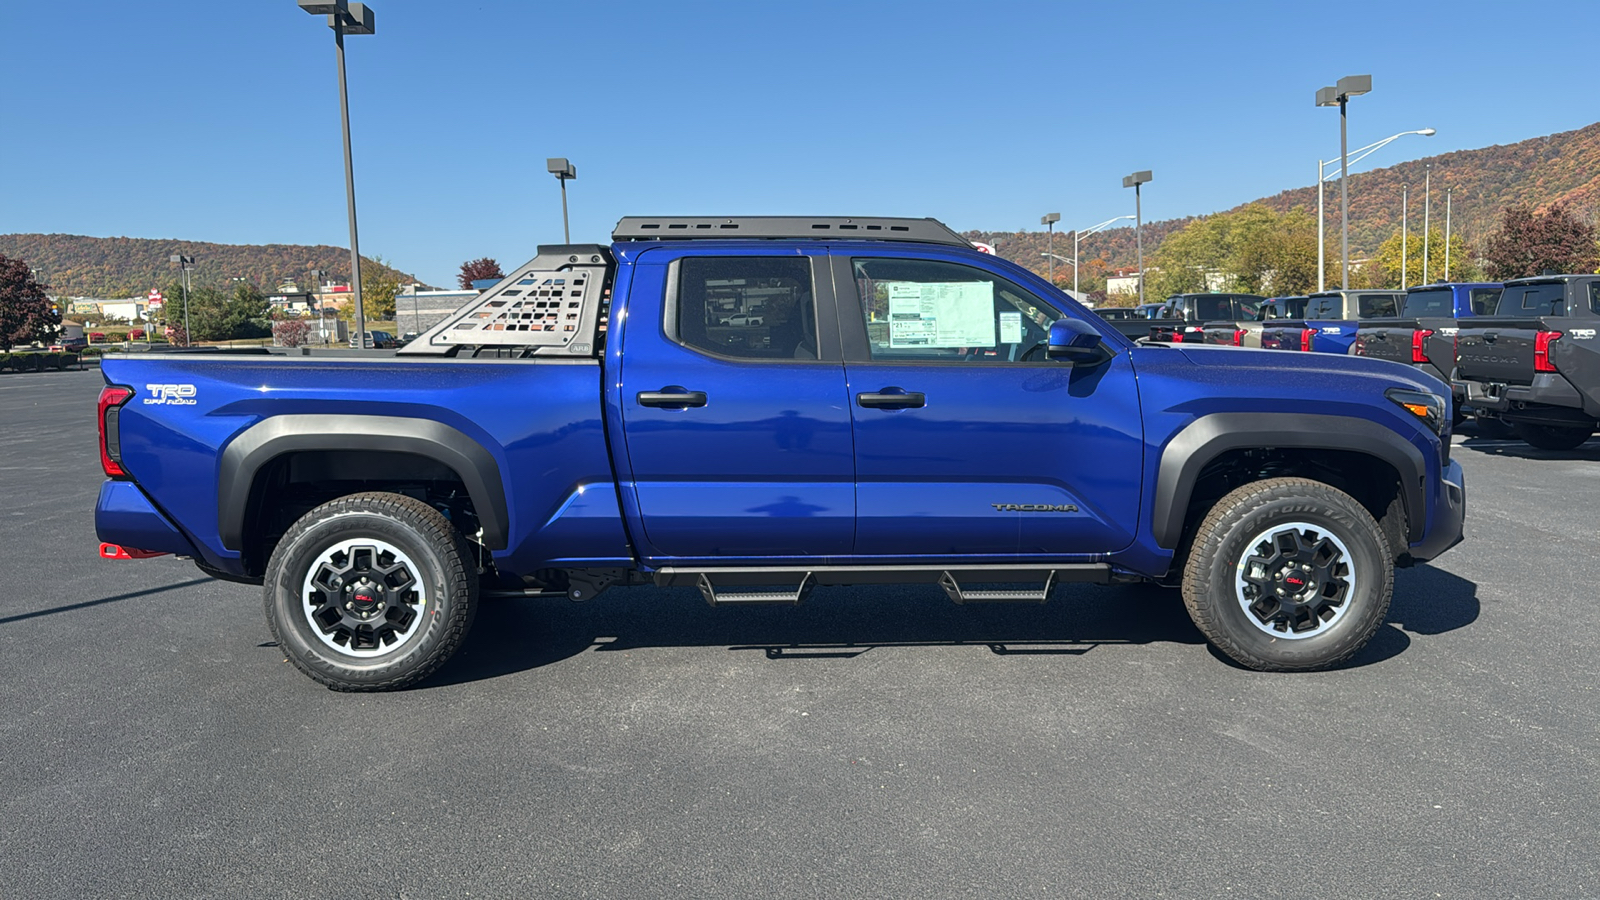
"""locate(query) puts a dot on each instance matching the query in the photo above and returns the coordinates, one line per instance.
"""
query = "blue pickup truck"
(1330, 322)
(756, 407)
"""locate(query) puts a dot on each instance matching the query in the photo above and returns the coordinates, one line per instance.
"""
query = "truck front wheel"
(370, 592)
(1288, 574)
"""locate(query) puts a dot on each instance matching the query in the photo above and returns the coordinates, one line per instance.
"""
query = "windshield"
(1431, 302)
(1208, 309)
(1285, 308)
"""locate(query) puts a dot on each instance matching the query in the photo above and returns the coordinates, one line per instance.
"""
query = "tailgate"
(1390, 340)
(1495, 350)
(1284, 334)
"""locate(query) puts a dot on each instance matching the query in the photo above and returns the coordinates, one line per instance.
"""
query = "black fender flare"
(270, 438)
(1207, 437)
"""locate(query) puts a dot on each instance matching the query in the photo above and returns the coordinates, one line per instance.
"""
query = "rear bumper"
(1547, 389)
(125, 516)
(1449, 516)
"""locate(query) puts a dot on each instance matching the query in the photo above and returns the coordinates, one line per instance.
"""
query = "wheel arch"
(1211, 437)
(248, 456)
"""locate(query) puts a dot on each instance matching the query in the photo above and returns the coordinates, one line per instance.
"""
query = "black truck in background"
(1248, 333)
(1535, 364)
(1424, 335)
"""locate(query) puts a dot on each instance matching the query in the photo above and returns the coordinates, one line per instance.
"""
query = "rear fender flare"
(263, 442)
(1207, 437)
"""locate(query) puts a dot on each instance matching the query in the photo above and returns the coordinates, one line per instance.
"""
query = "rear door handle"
(897, 399)
(679, 399)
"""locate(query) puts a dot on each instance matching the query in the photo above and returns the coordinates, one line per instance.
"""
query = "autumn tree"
(478, 270)
(1529, 243)
(25, 311)
(1383, 270)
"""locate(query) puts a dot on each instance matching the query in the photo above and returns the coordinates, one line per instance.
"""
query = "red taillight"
(1305, 338)
(1419, 353)
(111, 399)
(1541, 351)
(1238, 337)
(1177, 337)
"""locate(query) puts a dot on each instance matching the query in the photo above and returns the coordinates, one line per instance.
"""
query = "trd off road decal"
(170, 395)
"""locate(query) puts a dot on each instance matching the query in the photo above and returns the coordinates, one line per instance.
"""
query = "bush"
(97, 337)
(5, 361)
(136, 334)
(24, 362)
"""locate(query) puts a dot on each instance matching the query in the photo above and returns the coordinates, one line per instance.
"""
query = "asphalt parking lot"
(870, 743)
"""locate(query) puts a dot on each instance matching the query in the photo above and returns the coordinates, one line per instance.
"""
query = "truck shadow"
(512, 636)
(1516, 449)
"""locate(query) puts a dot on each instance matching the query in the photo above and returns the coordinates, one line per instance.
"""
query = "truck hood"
(1284, 367)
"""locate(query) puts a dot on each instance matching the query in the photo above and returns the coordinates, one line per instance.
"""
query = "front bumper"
(1449, 515)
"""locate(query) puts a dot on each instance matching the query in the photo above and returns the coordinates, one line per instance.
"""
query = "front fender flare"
(266, 440)
(1207, 437)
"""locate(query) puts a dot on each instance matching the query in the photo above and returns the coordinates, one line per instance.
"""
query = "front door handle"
(893, 398)
(679, 399)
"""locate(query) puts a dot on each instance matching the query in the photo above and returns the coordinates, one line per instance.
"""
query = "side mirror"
(1074, 341)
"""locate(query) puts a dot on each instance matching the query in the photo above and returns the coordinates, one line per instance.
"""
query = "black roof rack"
(658, 228)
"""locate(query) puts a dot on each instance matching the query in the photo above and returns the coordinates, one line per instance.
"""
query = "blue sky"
(218, 121)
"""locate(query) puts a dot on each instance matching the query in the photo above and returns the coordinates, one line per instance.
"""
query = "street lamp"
(347, 18)
(184, 263)
(562, 170)
(1360, 154)
(1134, 181)
(1080, 235)
(1050, 219)
(316, 302)
(1339, 95)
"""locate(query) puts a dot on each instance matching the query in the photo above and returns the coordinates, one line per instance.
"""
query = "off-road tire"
(1228, 537)
(447, 595)
(1553, 437)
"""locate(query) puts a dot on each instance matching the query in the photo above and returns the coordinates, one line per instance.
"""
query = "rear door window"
(1537, 300)
(750, 307)
(1324, 308)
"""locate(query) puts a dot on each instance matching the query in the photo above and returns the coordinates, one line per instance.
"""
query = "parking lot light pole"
(1339, 95)
(1405, 205)
(184, 262)
(316, 302)
(562, 170)
(347, 18)
(1134, 181)
(1050, 220)
(1080, 235)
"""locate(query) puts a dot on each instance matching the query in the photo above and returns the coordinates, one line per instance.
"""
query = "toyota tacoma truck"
(1535, 363)
(906, 410)
(1425, 333)
(1247, 333)
(1188, 315)
(1330, 321)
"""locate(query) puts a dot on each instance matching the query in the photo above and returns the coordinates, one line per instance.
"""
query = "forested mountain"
(81, 266)
(1483, 183)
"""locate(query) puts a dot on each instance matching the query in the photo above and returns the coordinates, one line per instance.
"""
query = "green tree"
(1251, 249)
(379, 287)
(1383, 270)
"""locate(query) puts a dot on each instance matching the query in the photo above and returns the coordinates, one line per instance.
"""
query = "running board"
(715, 583)
(784, 597)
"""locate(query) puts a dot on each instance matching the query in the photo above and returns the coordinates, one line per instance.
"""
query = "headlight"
(1429, 408)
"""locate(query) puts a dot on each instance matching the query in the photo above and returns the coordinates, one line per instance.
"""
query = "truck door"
(734, 410)
(968, 441)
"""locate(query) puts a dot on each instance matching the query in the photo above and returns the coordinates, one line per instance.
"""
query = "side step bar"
(790, 584)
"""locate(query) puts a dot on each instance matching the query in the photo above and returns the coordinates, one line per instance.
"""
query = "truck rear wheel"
(1288, 574)
(1553, 437)
(370, 592)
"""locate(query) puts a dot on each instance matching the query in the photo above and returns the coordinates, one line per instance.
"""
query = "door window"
(749, 307)
(1484, 301)
(1377, 306)
(928, 311)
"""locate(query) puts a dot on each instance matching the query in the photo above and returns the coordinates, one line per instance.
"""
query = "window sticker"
(941, 314)
(1011, 328)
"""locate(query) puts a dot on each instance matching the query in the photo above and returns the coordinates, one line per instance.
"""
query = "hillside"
(1539, 171)
(81, 266)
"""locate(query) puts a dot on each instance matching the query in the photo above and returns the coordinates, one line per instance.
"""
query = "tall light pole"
(1427, 199)
(347, 18)
(1050, 220)
(1405, 201)
(416, 310)
(1080, 235)
(1134, 181)
(1360, 154)
(1339, 95)
(184, 262)
(1447, 233)
(316, 302)
(562, 170)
